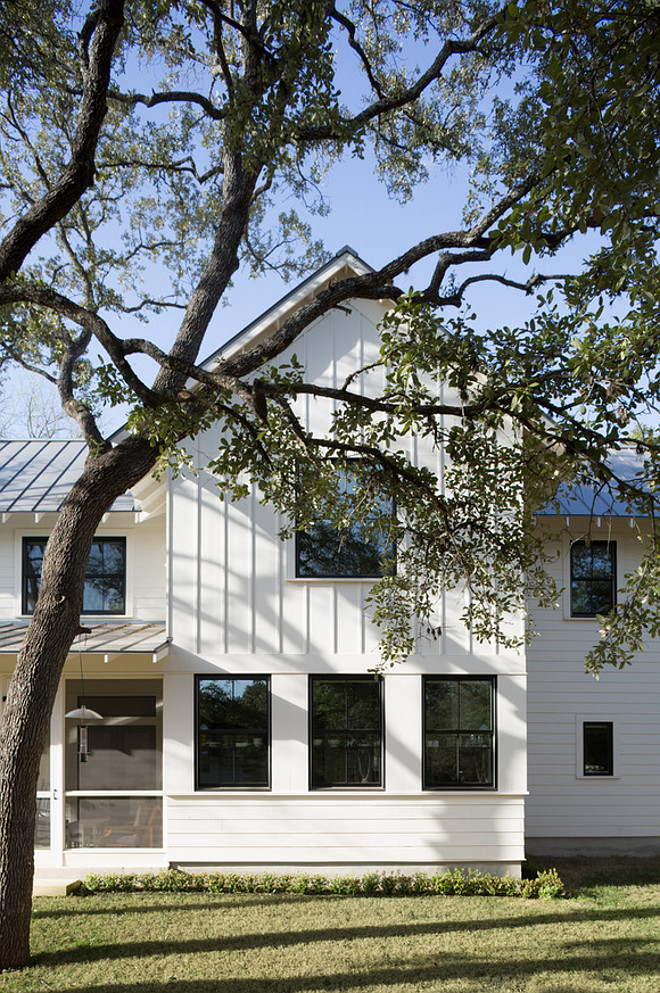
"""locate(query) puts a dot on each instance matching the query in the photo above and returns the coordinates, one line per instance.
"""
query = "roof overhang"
(100, 639)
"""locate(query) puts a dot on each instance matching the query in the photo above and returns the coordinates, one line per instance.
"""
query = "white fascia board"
(308, 289)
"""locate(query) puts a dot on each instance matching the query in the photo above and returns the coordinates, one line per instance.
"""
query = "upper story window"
(593, 574)
(356, 550)
(459, 736)
(233, 732)
(346, 731)
(105, 580)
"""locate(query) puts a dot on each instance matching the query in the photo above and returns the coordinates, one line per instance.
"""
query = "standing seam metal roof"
(36, 475)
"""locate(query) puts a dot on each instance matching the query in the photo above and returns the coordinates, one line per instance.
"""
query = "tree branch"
(170, 96)
(98, 40)
(384, 105)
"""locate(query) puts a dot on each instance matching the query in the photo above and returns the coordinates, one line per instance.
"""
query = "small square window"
(358, 548)
(233, 732)
(593, 573)
(346, 731)
(105, 579)
(459, 735)
(598, 748)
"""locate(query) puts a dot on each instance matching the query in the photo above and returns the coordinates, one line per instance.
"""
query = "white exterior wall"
(233, 606)
(237, 608)
(289, 824)
(566, 811)
(145, 562)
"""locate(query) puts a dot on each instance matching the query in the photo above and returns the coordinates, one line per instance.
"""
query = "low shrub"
(546, 885)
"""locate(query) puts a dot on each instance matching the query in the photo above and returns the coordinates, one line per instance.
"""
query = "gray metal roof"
(595, 499)
(36, 475)
(103, 639)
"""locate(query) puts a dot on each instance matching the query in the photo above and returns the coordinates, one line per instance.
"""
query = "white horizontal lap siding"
(563, 803)
(343, 829)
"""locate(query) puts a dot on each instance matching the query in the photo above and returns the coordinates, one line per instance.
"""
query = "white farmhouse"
(240, 725)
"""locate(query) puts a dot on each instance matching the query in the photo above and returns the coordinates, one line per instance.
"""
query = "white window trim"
(98, 618)
(580, 721)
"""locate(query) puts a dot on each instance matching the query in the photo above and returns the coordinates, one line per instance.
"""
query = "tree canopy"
(152, 200)
(124, 201)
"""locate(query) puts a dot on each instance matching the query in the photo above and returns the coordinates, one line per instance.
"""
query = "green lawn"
(606, 937)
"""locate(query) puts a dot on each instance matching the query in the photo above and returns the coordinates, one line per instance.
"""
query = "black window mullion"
(31, 576)
(592, 583)
(319, 775)
(224, 769)
(432, 778)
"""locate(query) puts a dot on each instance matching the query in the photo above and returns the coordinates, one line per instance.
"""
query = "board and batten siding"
(233, 589)
(238, 608)
(567, 811)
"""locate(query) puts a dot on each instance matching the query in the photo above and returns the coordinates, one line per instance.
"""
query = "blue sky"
(364, 216)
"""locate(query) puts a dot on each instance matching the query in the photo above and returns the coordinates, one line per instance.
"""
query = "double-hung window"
(459, 732)
(233, 731)
(105, 579)
(593, 575)
(346, 731)
(350, 540)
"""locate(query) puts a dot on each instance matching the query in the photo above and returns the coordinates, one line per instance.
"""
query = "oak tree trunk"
(31, 695)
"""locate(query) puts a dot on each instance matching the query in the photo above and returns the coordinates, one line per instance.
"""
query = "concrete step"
(57, 881)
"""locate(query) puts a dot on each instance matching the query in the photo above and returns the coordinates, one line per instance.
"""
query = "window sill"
(598, 779)
(225, 790)
(93, 618)
(333, 579)
(452, 790)
(581, 620)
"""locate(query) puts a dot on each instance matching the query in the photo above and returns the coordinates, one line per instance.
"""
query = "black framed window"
(358, 549)
(233, 731)
(459, 732)
(598, 748)
(105, 580)
(346, 716)
(593, 574)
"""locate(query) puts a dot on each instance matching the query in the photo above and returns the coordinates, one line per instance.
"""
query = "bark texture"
(26, 719)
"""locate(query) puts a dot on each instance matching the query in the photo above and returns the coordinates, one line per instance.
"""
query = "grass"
(605, 937)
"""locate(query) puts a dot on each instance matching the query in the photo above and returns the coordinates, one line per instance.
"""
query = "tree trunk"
(26, 717)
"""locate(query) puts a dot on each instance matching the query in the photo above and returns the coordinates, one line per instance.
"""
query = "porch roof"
(101, 639)
(36, 475)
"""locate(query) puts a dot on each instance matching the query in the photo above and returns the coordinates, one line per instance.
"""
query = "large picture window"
(105, 579)
(593, 572)
(346, 731)
(233, 732)
(459, 733)
(356, 548)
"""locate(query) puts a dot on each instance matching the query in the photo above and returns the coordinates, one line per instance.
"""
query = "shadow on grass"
(278, 939)
(584, 872)
(437, 969)
(80, 907)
